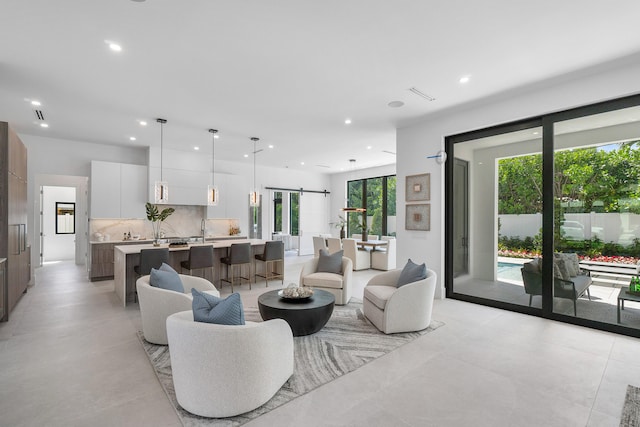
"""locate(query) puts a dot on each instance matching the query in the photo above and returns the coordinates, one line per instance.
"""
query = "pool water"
(505, 266)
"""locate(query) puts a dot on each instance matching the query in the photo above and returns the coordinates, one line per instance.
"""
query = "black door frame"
(547, 123)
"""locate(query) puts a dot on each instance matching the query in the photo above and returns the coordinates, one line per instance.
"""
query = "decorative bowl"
(294, 291)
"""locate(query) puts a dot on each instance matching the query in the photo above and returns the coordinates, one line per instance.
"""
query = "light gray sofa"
(221, 370)
(404, 309)
(157, 304)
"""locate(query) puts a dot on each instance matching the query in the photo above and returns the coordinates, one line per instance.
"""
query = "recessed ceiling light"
(142, 122)
(36, 103)
(395, 104)
(347, 121)
(44, 125)
(536, 132)
(216, 136)
(465, 79)
(368, 147)
(270, 146)
(246, 155)
(302, 163)
(196, 148)
(113, 46)
(132, 138)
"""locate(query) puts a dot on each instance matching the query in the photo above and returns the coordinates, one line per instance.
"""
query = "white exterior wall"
(417, 141)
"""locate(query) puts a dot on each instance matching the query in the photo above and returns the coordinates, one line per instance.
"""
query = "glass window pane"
(597, 216)
(354, 200)
(497, 216)
(374, 207)
(294, 213)
(391, 206)
(277, 211)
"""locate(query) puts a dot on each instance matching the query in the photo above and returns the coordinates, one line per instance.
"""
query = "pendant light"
(254, 196)
(352, 163)
(212, 192)
(161, 187)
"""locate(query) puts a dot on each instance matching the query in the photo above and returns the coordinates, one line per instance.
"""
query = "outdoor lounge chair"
(568, 289)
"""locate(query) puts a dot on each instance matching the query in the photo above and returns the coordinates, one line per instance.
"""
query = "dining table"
(373, 244)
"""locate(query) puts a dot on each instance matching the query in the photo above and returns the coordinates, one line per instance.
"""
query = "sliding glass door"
(497, 214)
(597, 216)
(543, 216)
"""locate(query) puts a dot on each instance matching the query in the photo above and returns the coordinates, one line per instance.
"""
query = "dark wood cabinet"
(14, 245)
(101, 261)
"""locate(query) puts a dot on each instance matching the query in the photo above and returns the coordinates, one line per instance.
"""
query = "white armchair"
(340, 285)
(404, 309)
(384, 259)
(223, 370)
(360, 258)
(157, 304)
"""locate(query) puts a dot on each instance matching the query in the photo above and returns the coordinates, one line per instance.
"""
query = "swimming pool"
(506, 266)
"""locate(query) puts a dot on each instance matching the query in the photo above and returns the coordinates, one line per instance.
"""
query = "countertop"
(210, 238)
(133, 249)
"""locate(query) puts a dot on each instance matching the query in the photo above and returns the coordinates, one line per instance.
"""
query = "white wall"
(56, 247)
(416, 142)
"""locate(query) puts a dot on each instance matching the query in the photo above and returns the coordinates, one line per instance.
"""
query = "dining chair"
(150, 258)
(334, 245)
(239, 255)
(200, 257)
(273, 252)
(319, 242)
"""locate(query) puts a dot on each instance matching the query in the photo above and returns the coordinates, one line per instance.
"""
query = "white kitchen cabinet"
(105, 190)
(234, 198)
(118, 190)
(133, 191)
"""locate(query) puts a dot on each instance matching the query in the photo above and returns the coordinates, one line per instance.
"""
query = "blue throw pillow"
(166, 278)
(412, 272)
(330, 263)
(167, 267)
(211, 309)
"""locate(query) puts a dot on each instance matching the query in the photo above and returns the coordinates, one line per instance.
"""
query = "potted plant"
(341, 224)
(156, 217)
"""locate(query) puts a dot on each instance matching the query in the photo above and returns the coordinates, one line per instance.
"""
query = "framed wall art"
(418, 187)
(418, 217)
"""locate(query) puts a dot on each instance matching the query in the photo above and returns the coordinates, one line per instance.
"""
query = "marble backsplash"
(184, 222)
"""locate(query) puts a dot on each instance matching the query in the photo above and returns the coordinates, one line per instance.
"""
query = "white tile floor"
(69, 356)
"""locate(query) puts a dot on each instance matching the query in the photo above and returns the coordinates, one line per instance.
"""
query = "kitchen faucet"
(203, 226)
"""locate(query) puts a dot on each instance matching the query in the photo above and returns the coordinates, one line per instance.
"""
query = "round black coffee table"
(305, 317)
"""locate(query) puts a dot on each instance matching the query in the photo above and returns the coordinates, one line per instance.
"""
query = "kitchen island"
(125, 257)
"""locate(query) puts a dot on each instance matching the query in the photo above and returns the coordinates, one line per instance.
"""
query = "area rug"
(347, 342)
(631, 410)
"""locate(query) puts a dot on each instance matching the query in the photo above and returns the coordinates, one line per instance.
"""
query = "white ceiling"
(288, 72)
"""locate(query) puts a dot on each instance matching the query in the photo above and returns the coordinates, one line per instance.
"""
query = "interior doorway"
(58, 219)
(38, 221)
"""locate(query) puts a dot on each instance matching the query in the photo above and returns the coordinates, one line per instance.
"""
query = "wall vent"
(39, 115)
(421, 94)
